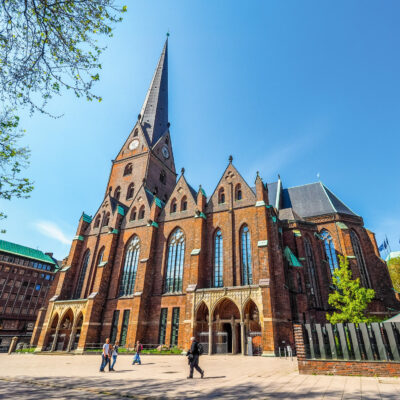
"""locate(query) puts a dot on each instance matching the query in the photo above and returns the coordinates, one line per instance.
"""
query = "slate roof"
(287, 214)
(312, 200)
(17, 249)
(154, 113)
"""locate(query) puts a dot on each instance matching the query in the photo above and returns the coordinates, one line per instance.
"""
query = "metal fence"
(363, 342)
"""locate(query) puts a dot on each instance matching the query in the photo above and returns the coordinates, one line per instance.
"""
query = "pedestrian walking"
(138, 349)
(105, 356)
(114, 355)
(196, 350)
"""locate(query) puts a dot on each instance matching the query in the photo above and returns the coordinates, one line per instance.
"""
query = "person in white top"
(105, 356)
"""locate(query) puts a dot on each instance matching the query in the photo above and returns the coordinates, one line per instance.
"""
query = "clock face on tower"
(134, 144)
(165, 151)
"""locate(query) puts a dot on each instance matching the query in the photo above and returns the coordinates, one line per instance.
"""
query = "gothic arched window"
(218, 259)
(184, 203)
(82, 274)
(355, 242)
(106, 219)
(173, 206)
(245, 250)
(175, 260)
(330, 250)
(133, 214)
(117, 193)
(130, 191)
(163, 177)
(221, 196)
(128, 169)
(141, 213)
(299, 283)
(100, 256)
(238, 192)
(97, 221)
(312, 272)
(127, 283)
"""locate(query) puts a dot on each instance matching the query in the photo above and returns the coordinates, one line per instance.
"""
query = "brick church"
(161, 261)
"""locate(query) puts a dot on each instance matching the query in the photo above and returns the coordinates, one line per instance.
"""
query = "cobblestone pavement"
(28, 376)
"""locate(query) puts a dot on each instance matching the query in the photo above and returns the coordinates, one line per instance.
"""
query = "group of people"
(110, 352)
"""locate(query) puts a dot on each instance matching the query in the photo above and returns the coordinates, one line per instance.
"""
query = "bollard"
(13, 345)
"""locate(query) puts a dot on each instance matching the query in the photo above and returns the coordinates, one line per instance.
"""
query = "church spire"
(154, 113)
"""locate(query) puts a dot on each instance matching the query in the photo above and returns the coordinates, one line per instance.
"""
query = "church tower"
(146, 157)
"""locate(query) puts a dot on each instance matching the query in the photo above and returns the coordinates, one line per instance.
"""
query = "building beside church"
(26, 282)
(160, 261)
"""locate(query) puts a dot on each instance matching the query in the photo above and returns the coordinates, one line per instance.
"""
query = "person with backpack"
(138, 349)
(196, 350)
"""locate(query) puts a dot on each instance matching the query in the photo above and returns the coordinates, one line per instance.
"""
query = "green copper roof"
(201, 190)
(86, 218)
(17, 249)
(158, 202)
(121, 210)
(291, 258)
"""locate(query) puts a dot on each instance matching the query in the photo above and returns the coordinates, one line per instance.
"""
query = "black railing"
(361, 342)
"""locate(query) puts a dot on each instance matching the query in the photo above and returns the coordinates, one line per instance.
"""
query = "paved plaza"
(28, 376)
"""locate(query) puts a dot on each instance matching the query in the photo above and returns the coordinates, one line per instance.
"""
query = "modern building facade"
(26, 277)
(160, 261)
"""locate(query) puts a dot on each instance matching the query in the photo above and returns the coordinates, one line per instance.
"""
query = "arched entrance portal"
(226, 328)
(64, 331)
(52, 333)
(202, 327)
(253, 342)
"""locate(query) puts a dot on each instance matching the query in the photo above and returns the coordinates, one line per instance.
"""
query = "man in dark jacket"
(193, 356)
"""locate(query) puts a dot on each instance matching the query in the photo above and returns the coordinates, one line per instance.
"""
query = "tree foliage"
(394, 271)
(349, 299)
(12, 160)
(45, 46)
(50, 45)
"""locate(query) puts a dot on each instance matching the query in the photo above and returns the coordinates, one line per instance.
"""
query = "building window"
(117, 193)
(299, 283)
(127, 284)
(106, 219)
(238, 192)
(355, 242)
(141, 212)
(37, 287)
(136, 132)
(114, 326)
(124, 328)
(82, 274)
(184, 203)
(247, 273)
(221, 196)
(130, 191)
(128, 169)
(163, 177)
(175, 326)
(163, 326)
(175, 260)
(330, 250)
(173, 206)
(133, 214)
(218, 259)
(97, 221)
(312, 272)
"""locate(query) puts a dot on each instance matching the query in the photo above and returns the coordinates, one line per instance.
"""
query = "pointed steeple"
(154, 113)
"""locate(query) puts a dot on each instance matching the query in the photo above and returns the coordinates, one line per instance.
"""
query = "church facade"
(160, 261)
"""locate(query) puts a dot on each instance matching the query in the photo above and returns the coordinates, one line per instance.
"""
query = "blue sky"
(288, 87)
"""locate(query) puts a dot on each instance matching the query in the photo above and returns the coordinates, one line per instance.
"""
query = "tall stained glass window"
(355, 242)
(127, 283)
(247, 273)
(82, 274)
(175, 326)
(218, 260)
(124, 328)
(114, 326)
(163, 326)
(330, 250)
(175, 260)
(312, 272)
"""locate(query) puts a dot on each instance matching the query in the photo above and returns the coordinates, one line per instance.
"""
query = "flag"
(381, 247)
